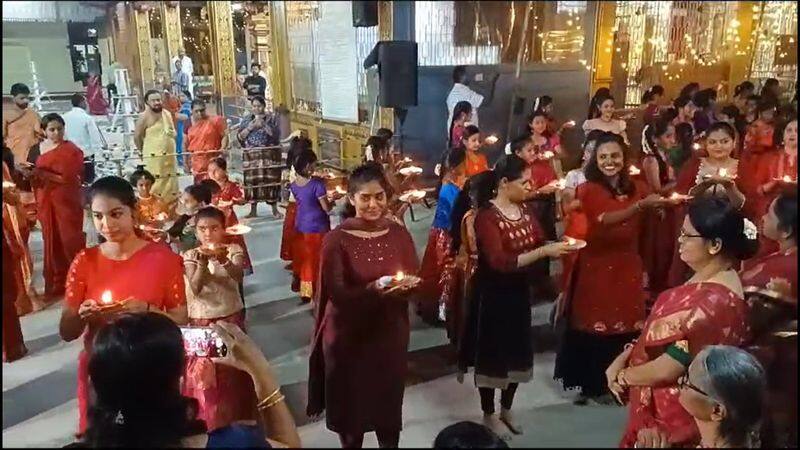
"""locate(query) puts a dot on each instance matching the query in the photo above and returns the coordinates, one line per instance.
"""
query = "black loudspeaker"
(397, 69)
(365, 14)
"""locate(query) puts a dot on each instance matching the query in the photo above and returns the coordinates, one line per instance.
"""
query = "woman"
(650, 100)
(771, 172)
(707, 310)
(432, 302)
(771, 286)
(704, 116)
(13, 343)
(724, 390)
(261, 166)
(599, 95)
(497, 340)
(98, 105)
(603, 119)
(56, 179)
(660, 226)
(461, 114)
(741, 93)
(312, 223)
(716, 175)
(759, 147)
(471, 142)
(136, 366)
(357, 315)
(603, 306)
(107, 279)
(230, 194)
(685, 110)
(545, 105)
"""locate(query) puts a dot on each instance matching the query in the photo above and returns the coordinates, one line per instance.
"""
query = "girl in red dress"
(108, 279)
(358, 314)
(56, 179)
(230, 194)
(213, 274)
(716, 175)
(461, 114)
(604, 304)
(297, 146)
(708, 310)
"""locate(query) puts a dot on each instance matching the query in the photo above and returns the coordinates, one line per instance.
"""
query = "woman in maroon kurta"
(604, 305)
(57, 179)
(358, 358)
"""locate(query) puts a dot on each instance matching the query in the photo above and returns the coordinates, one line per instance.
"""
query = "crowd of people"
(677, 294)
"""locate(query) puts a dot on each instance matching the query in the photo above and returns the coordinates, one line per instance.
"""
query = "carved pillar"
(279, 56)
(222, 48)
(173, 35)
(385, 115)
(142, 22)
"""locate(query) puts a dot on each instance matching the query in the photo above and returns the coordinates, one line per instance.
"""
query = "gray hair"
(736, 380)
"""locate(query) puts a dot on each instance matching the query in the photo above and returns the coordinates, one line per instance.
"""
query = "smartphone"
(203, 342)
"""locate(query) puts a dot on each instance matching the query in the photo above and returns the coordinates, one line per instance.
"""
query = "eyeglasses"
(683, 382)
(684, 234)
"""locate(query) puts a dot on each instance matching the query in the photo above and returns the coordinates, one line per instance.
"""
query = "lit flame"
(106, 298)
(163, 216)
(571, 123)
(400, 276)
(633, 170)
(787, 179)
(548, 154)
(238, 229)
(571, 241)
(491, 139)
(410, 170)
(697, 146)
(8, 185)
(340, 190)
(723, 172)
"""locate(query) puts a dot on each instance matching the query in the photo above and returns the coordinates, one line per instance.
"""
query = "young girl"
(297, 146)
(150, 207)
(181, 234)
(545, 105)
(603, 118)
(312, 223)
(471, 142)
(230, 194)
(650, 100)
(214, 271)
(684, 111)
(461, 114)
(758, 148)
(431, 306)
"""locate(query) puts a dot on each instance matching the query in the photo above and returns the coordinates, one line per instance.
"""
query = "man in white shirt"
(462, 92)
(81, 129)
(186, 67)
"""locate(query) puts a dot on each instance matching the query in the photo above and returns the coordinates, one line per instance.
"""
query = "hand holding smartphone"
(203, 342)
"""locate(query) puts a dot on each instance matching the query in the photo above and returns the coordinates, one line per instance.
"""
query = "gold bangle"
(621, 378)
(272, 403)
(269, 397)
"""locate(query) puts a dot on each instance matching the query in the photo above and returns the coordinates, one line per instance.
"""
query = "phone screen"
(202, 342)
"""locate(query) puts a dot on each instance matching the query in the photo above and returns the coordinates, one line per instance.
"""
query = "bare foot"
(493, 423)
(508, 418)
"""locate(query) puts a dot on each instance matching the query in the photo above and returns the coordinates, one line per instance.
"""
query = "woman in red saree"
(13, 344)
(56, 179)
(603, 306)
(98, 105)
(708, 310)
(358, 362)
(230, 194)
(716, 174)
(110, 278)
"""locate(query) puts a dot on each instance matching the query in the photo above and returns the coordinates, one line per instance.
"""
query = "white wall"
(46, 45)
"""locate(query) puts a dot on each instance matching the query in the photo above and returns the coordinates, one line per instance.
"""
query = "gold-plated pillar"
(604, 49)
(279, 56)
(385, 115)
(224, 66)
(171, 16)
(740, 59)
(142, 22)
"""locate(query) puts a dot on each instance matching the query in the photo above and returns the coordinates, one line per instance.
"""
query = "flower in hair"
(645, 144)
(750, 230)
(368, 153)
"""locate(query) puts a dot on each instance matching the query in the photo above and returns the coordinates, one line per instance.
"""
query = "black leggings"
(506, 398)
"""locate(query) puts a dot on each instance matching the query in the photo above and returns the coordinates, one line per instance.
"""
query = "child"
(213, 274)
(431, 307)
(152, 210)
(471, 142)
(182, 234)
(311, 223)
(461, 114)
(228, 195)
(297, 146)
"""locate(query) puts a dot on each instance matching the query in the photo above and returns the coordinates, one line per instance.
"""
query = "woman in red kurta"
(230, 194)
(718, 175)
(358, 359)
(13, 345)
(124, 274)
(708, 310)
(604, 304)
(56, 179)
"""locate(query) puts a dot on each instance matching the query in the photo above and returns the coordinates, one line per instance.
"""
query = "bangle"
(621, 378)
(268, 398)
(269, 405)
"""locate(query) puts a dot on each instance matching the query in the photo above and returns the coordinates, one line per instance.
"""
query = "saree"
(60, 212)
(692, 317)
(204, 144)
(158, 153)
(98, 105)
(15, 223)
(13, 344)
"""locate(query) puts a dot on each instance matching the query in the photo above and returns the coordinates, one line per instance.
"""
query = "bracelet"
(269, 405)
(621, 378)
(268, 398)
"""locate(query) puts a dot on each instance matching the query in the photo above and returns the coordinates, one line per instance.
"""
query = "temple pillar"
(223, 47)
(141, 21)
(171, 16)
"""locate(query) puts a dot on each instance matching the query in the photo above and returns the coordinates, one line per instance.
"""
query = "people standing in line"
(207, 139)
(462, 92)
(709, 309)
(257, 131)
(214, 271)
(603, 306)
(603, 118)
(187, 67)
(155, 136)
(230, 194)
(358, 314)
(312, 223)
(497, 339)
(255, 85)
(107, 279)
(56, 179)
